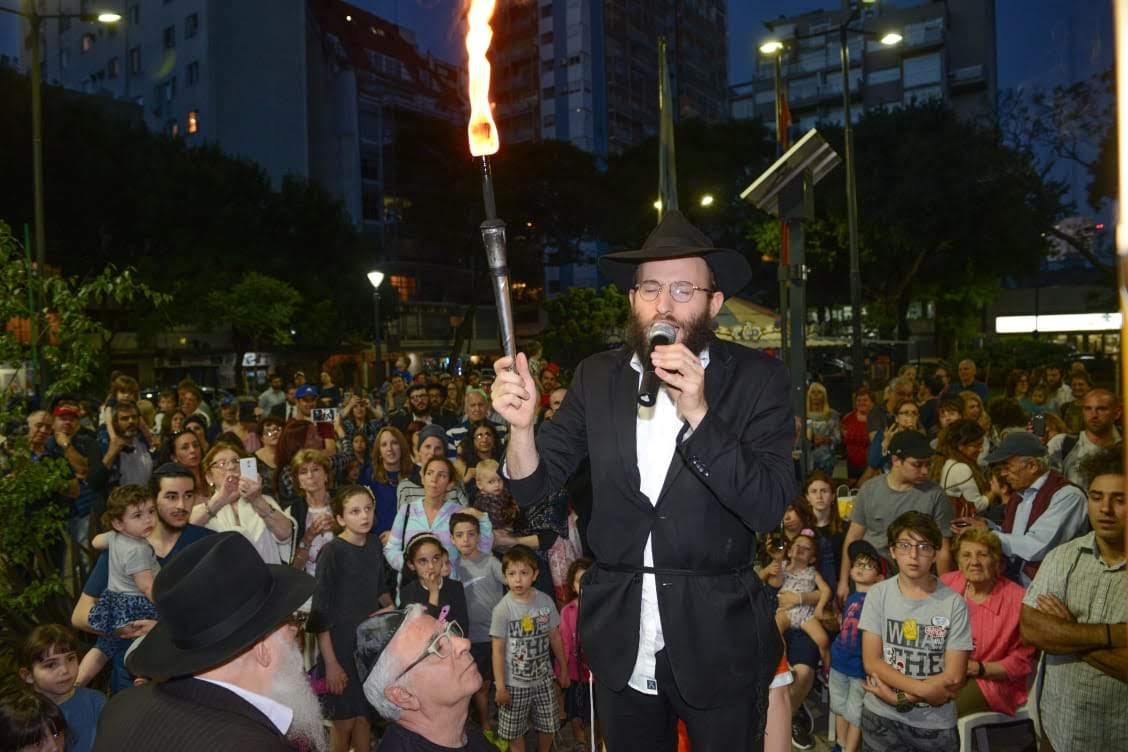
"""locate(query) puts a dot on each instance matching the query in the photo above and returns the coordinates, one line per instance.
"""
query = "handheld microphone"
(660, 333)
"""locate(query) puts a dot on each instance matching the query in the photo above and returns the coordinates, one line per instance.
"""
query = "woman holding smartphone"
(238, 503)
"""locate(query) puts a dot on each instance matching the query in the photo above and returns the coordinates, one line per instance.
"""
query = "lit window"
(173, 128)
(404, 286)
(193, 121)
(87, 42)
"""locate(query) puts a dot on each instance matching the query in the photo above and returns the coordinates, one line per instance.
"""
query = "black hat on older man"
(912, 444)
(675, 237)
(1017, 444)
(214, 600)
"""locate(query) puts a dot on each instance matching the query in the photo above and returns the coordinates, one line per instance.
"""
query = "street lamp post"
(774, 48)
(376, 278)
(857, 360)
(35, 21)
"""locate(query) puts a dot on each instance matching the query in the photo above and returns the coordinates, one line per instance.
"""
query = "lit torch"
(483, 142)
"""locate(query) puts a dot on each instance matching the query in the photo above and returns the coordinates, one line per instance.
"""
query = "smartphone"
(1038, 425)
(890, 420)
(248, 468)
(323, 414)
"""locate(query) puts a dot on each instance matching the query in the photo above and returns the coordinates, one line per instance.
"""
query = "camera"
(323, 414)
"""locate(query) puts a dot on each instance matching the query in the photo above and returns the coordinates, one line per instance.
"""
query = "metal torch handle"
(493, 238)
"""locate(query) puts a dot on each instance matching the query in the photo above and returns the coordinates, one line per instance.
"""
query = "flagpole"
(667, 157)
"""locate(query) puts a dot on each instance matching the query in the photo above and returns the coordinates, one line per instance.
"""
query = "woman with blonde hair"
(312, 515)
(1000, 662)
(974, 409)
(824, 433)
(956, 470)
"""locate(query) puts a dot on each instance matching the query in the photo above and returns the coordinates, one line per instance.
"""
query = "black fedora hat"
(214, 600)
(675, 237)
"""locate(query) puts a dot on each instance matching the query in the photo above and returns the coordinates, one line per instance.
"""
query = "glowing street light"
(771, 47)
(891, 38)
(707, 199)
(108, 17)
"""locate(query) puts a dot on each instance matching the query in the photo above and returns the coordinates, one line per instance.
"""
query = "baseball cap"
(66, 410)
(1017, 444)
(305, 390)
(862, 548)
(432, 429)
(911, 444)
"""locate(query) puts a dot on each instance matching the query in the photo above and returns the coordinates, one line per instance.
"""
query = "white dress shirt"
(280, 715)
(656, 434)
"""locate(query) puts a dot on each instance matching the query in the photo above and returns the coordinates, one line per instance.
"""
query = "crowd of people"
(382, 499)
(967, 531)
(397, 498)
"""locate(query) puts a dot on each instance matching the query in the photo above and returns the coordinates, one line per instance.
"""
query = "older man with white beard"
(226, 666)
(422, 682)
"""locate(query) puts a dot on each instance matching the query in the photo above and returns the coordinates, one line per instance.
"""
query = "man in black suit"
(673, 619)
(226, 667)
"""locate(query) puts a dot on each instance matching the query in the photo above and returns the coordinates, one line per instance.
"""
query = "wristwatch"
(903, 704)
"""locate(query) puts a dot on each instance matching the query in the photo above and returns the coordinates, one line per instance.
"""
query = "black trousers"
(637, 722)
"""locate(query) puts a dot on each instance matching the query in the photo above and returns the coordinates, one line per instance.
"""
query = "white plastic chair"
(976, 725)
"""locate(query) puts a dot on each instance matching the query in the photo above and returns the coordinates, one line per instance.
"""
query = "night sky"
(1042, 43)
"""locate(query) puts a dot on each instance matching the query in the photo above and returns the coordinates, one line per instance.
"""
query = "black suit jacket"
(728, 479)
(186, 715)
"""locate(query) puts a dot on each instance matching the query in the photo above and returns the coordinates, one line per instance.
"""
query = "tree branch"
(1083, 249)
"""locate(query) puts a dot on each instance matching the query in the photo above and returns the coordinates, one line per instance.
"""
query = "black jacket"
(729, 479)
(185, 715)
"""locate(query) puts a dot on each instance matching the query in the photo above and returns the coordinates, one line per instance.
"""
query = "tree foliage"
(946, 211)
(259, 309)
(189, 219)
(583, 321)
(1072, 124)
(70, 340)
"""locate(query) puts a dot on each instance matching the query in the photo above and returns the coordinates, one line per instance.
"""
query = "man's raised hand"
(514, 393)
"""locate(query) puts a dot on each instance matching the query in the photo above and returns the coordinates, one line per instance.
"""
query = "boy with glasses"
(916, 638)
(904, 488)
(847, 675)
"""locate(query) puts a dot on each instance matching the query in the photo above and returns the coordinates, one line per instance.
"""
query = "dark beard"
(696, 332)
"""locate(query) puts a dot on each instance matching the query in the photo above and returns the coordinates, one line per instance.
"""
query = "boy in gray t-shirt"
(484, 585)
(916, 638)
(526, 636)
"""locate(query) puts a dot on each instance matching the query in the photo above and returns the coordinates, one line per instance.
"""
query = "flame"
(482, 130)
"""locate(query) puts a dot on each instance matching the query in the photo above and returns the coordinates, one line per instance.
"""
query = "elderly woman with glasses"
(1000, 662)
(238, 503)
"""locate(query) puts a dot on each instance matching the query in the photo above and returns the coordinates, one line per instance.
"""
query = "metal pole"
(798, 283)
(852, 221)
(783, 239)
(35, 78)
(377, 362)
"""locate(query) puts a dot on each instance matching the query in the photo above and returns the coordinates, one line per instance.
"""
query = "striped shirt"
(1081, 706)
